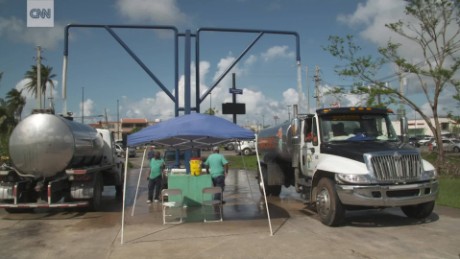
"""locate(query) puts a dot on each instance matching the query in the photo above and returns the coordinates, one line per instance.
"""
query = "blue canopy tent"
(189, 131)
(194, 130)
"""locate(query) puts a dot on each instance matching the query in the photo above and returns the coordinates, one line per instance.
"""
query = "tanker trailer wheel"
(270, 190)
(328, 205)
(119, 187)
(419, 211)
(96, 201)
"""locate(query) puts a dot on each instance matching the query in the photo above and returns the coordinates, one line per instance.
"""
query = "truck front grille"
(396, 166)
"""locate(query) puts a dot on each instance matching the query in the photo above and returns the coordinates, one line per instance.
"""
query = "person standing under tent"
(157, 165)
(217, 166)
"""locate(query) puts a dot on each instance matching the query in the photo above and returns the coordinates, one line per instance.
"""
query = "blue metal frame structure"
(260, 34)
(187, 59)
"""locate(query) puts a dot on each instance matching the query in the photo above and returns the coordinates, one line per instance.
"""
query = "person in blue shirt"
(157, 165)
(217, 166)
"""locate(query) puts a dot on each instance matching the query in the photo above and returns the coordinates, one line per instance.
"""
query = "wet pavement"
(244, 233)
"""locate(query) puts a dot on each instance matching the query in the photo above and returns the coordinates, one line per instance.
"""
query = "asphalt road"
(244, 233)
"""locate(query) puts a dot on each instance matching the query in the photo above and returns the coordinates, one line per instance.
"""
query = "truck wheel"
(419, 211)
(273, 190)
(246, 151)
(96, 201)
(270, 190)
(328, 205)
(119, 187)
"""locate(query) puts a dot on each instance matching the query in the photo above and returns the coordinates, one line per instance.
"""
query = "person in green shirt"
(157, 165)
(217, 166)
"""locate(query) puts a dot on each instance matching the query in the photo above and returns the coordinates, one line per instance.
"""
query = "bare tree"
(436, 33)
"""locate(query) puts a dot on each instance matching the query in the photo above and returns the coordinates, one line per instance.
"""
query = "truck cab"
(343, 158)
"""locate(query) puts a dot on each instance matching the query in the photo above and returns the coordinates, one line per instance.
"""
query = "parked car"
(120, 151)
(448, 145)
(247, 147)
(424, 141)
(413, 141)
(230, 145)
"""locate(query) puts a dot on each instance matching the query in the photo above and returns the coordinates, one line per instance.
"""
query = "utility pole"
(234, 95)
(289, 112)
(118, 119)
(402, 83)
(82, 105)
(317, 82)
(308, 89)
(39, 78)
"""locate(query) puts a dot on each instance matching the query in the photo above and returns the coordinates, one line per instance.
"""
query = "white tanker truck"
(347, 158)
(57, 162)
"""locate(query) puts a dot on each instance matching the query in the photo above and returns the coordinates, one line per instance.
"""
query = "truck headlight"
(429, 174)
(352, 178)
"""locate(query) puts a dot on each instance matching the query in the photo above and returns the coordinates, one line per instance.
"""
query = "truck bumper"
(388, 195)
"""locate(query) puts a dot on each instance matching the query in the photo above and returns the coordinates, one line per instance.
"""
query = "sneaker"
(156, 200)
(149, 201)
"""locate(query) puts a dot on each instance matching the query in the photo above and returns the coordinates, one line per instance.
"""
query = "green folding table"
(191, 187)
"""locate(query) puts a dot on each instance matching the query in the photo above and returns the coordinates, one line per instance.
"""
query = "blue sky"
(104, 72)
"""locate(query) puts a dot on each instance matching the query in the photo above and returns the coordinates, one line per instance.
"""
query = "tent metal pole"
(124, 196)
(138, 182)
(263, 188)
(246, 170)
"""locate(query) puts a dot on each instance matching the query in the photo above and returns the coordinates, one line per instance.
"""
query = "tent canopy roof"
(194, 130)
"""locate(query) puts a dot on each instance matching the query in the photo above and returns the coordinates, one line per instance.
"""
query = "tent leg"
(124, 197)
(138, 182)
(263, 188)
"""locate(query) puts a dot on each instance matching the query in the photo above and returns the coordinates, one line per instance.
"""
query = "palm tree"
(46, 77)
(15, 102)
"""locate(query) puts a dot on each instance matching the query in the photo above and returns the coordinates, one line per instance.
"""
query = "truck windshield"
(357, 127)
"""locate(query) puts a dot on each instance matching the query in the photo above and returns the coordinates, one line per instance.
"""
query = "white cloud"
(16, 30)
(251, 60)
(277, 52)
(158, 11)
(161, 106)
(88, 106)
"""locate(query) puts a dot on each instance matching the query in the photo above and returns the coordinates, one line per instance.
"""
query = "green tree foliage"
(211, 111)
(433, 28)
(46, 78)
(10, 114)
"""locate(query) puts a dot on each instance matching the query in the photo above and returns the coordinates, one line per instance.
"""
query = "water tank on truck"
(43, 145)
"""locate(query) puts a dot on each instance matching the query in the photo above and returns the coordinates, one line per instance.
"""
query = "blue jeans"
(219, 181)
(154, 184)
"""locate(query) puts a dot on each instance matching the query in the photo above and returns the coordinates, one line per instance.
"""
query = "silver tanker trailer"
(57, 162)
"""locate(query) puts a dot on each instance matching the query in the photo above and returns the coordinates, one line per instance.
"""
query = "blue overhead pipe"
(261, 32)
(130, 52)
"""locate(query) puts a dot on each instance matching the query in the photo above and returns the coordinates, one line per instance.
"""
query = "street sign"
(235, 91)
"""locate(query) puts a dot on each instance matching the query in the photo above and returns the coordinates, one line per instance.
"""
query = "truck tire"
(328, 205)
(270, 190)
(247, 151)
(96, 201)
(419, 211)
(119, 187)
